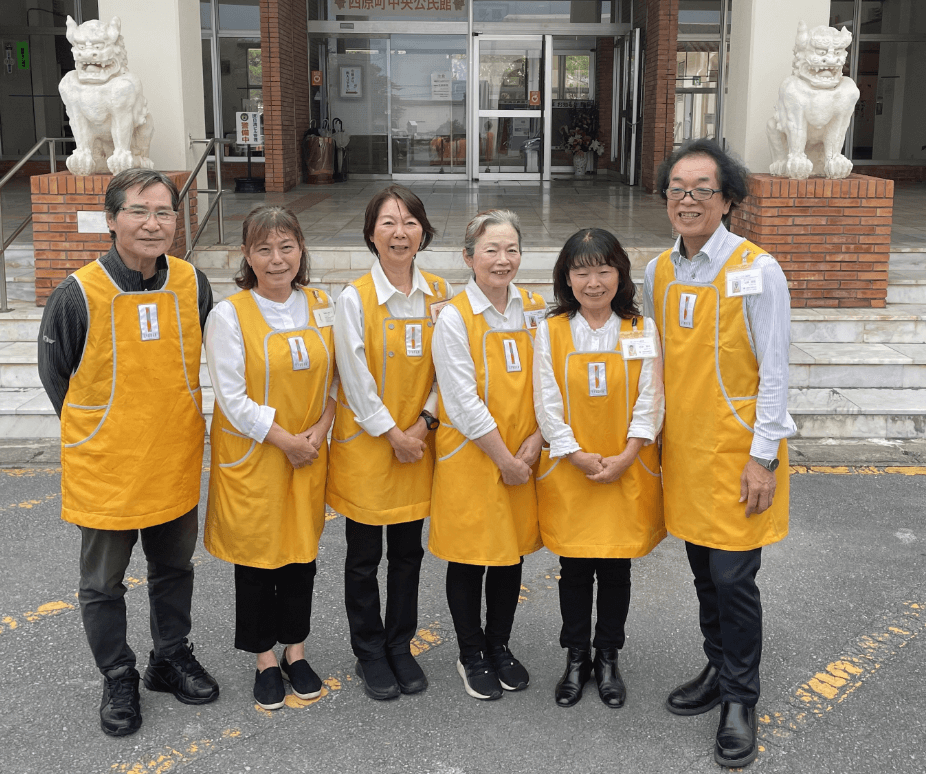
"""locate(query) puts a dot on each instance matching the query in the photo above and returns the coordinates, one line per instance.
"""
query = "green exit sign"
(22, 55)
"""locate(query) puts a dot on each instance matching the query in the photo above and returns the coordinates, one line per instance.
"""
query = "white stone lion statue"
(109, 114)
(815, 105)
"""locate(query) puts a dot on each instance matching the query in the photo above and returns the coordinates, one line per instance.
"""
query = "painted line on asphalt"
(860, 660)
(29, 472)
(29, 504)
(165, 760)
(869, 470)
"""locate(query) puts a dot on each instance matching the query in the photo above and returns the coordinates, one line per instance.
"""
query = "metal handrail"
(5, 243)
(216, 145)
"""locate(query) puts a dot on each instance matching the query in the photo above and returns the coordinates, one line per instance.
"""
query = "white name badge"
(686, 308)
(512, 358)
(532, 318)
(299, 353)
(148, 322)
(744, 282)
(324, 316)
(414, 347)
(597, 380)
(641, 348)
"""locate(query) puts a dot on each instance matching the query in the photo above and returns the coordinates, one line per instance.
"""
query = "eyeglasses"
(141, 215)
(697, 194)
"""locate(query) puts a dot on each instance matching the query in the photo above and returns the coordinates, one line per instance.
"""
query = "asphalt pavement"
(843, 670)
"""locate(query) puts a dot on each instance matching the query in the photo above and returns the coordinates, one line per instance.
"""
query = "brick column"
(284, 56)
(604, 95)
(658, 129)
(831, 237)
(59, 249)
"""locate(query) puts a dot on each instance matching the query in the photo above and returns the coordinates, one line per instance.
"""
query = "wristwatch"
(430, 420)
(769, 465)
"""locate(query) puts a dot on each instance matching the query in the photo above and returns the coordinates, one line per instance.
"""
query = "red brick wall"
(604, 95)
(831, 237)
(59, 249)
(284, 54)
(658, 128)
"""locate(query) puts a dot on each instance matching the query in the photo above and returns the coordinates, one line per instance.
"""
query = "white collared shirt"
(225, 359)
(453, 361)
(359, 385)
(768, 325)
(648, 411)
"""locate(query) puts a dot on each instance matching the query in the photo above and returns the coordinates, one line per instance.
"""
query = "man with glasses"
(722, 308)
(119, 352)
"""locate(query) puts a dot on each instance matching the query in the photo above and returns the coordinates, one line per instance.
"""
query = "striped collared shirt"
(768, 325)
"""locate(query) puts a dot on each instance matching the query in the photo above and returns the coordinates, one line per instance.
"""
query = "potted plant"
(580, 137)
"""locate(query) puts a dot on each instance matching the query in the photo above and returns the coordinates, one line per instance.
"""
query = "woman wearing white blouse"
(269, 349)
(484, 507)
(599, 399)
(381, 453)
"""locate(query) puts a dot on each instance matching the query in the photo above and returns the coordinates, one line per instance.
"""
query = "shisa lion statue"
(109, 114)
(815, 105)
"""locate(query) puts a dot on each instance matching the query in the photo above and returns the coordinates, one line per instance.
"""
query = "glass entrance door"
(511, 77)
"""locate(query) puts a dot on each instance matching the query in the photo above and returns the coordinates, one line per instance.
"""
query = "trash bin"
(530, 155)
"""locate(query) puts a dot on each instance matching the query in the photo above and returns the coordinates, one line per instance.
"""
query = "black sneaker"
(178, 672)
(479, 678)
(269, 692)
(120, 713)
(511, 672)
(378, 679)
(305, 683)
(408, 674)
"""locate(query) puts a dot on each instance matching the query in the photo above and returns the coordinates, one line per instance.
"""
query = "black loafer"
(578, 670)
(378, 679)
(611, 687)
(120, 712)
(178, 672)
(698, 695)
(736, 735)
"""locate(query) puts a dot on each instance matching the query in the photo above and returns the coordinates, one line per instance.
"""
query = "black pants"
(272, 606)
(576, 584)
(104, 557)
(464, 597)
(370, 638)
(731, 617)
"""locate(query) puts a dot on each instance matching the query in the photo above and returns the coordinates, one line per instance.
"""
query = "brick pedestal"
(59, 248)
(831, 237)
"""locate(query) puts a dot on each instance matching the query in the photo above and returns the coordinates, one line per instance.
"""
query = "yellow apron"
(262, 512)
(475, 517)
(132, 427)
(367, 483)
(712, 383)
(578, 517)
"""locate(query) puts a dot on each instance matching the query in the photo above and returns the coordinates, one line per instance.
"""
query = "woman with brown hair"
(381, 454)
(599, 401)
(270, 353)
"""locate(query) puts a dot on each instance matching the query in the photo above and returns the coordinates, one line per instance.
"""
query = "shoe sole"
(737, 762)
(154, 683)
(518, 687)
(695, 711)
(469, 689)
(296, 693)
(276, 706)
(373, 694)
(126, 732)
(411, 690)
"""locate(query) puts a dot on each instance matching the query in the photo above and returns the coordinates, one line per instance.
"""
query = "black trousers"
(576, 584)
(273, 606)
(464, 597)
(370, 636)
(104, 557)
(730, 617)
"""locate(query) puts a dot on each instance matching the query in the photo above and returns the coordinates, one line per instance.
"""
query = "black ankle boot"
(578, 670)
(610, 683)
(698, 695)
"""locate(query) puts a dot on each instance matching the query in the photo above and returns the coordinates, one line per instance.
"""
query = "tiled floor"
(332, 215)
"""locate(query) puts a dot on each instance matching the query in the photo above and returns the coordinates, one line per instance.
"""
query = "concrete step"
(895, 324)
(906, 288)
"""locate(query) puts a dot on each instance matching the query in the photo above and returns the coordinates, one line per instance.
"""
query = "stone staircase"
(855, 373)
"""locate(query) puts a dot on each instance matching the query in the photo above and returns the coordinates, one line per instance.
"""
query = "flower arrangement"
(581, 132)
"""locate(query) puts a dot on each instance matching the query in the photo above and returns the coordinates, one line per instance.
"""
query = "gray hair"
(478, 226)
(145, 178)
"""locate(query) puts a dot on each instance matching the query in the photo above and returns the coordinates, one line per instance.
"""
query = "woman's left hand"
(315, 435)
(615, 467)
(529, 452)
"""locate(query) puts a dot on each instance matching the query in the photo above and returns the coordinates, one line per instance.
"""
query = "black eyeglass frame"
(691, 194)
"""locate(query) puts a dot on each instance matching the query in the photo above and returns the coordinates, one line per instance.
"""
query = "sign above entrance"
(379, 10)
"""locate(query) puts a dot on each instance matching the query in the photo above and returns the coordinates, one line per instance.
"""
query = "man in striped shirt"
(722, 308)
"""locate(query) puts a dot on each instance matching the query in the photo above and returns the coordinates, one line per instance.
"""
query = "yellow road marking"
(842, 677)
(845, 470)
(29, 472)
(168, 758)
(29, 504)
(425, 639)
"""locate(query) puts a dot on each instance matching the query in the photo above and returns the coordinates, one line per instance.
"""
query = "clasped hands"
(605, 470)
